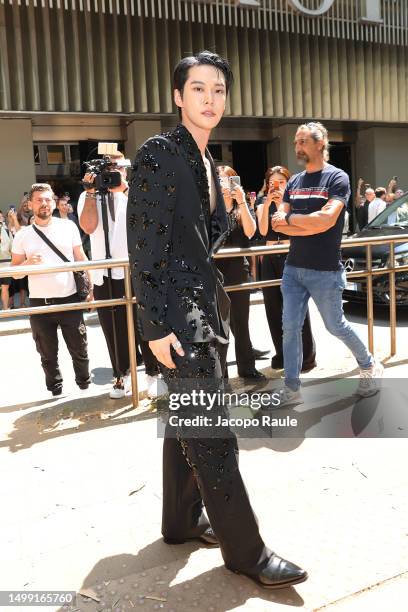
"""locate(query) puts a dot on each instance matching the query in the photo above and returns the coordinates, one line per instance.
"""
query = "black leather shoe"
(208, 538)
(56, 392)
(307, 367)
(278, 574)
(259, 354)
(254, 374)
(277, 363)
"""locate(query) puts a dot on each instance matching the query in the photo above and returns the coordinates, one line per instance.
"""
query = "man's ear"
(178, 99)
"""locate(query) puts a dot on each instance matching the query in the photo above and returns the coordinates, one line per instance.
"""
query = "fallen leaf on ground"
(90, 594)
(137, 490)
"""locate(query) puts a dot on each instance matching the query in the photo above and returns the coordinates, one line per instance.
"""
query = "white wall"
(381, 153)
(17, 172)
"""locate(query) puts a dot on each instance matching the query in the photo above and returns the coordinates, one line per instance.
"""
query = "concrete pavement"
(81, 485)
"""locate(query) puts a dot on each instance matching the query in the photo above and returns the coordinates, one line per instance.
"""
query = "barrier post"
(393, 303)
(131, 336)
(370, 300)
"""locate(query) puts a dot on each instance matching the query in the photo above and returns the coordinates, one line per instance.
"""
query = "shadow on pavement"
(122, 579)
(93, 412)
(16, 407)
(71, 417)
(101, 376)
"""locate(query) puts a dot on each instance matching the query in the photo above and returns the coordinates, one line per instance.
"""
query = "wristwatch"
(287, 217)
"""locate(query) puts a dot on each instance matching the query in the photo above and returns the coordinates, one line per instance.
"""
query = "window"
(55, 154)
(74, 153)
(36, 152)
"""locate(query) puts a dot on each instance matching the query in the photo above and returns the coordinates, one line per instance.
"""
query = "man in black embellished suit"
(176, 222)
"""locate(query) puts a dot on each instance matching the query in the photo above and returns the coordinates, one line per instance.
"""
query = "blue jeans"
(326, 288)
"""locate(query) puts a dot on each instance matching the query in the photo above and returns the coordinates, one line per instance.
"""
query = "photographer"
(91, 221)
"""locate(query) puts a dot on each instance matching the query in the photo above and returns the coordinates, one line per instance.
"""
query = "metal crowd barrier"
(128, 300)
(368, 273)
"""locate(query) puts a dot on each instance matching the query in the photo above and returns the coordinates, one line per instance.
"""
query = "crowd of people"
(250, 217)
(370, 204)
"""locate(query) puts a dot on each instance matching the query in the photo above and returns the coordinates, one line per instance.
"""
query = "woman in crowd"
(6, 240)
(276, 179)
(17, 220)
(236, 270)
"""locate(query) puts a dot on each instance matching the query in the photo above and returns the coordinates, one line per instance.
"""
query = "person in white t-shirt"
(54, 288)
(378, 204)
(90, 219)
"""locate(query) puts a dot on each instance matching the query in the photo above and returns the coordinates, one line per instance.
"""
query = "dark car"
(392, 220)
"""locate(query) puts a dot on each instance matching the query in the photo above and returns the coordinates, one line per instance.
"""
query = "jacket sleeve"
(150, 216)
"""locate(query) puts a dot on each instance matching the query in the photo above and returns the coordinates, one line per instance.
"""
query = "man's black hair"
(204, 58)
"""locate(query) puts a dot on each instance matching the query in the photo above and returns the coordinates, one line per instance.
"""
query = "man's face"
(203, 99)
(369, 195)
(306, 148)
(42, 204)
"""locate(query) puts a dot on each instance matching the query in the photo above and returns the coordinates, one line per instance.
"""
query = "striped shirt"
(308, 192)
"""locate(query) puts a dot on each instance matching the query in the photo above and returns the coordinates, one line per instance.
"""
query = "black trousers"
(272, 268)
(44, 329)
(121, 365)
(199, 470)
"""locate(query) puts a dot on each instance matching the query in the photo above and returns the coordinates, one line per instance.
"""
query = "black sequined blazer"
(171, 240)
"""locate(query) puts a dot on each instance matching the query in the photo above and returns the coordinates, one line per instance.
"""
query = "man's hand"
(278, 219)
(88, 182)
(33, 260)
(161, 350)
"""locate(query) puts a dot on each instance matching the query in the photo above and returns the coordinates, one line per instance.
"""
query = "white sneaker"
(156, 387)
(118, 389)
(288, 397)
(369, 380)
(127, 384)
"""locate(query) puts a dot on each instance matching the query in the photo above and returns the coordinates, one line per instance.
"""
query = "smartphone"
(12, 209)
(276, 184)
(252, 194)
(234, 181)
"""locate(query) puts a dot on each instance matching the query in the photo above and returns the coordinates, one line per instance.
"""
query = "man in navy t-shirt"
(312, 213)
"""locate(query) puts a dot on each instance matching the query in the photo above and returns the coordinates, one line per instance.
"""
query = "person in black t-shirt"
(312, 213)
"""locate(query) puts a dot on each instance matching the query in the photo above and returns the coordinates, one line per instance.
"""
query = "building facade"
(75, 72)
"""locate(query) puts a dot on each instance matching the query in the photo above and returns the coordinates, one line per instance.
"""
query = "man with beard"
(176, 222)
(29, 248)
(312, 213)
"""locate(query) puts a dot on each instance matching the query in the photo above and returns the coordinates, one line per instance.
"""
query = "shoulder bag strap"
(49, 243)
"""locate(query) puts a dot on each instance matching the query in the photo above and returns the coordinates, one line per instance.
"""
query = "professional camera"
(105, 169)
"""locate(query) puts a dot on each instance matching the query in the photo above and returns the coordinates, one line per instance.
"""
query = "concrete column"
(381, 153)
(286, 134)
(137, 133)
(17, 171)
